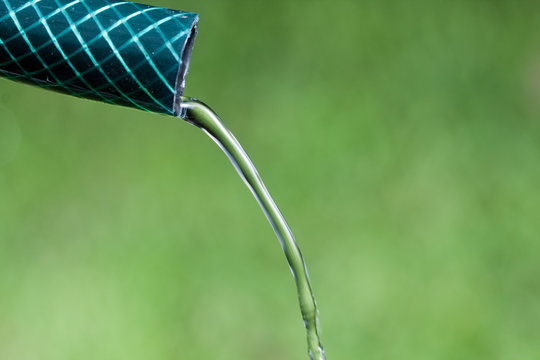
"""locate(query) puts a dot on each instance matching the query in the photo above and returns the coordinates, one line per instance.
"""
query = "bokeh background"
(400, 139)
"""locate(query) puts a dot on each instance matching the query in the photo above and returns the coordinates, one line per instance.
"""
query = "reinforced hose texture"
(118, 52)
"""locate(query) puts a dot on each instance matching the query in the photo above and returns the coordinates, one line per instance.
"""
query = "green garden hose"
(114, 51)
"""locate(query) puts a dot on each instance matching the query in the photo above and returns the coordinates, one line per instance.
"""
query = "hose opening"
(183, 69)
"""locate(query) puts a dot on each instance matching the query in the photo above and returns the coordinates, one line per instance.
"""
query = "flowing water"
(200, 115)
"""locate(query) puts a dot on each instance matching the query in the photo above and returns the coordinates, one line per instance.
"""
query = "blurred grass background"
(400, 139)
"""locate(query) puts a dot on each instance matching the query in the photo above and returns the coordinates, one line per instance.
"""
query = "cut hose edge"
(185, 56)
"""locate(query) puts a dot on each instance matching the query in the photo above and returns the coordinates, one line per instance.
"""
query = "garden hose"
(118, 52)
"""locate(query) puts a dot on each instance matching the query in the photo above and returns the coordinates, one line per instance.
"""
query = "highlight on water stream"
(134, 55)
(200, 115)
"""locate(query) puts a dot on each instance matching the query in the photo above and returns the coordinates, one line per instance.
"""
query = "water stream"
(200, 115)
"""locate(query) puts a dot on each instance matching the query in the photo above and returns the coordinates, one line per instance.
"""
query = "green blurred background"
(400, 139)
